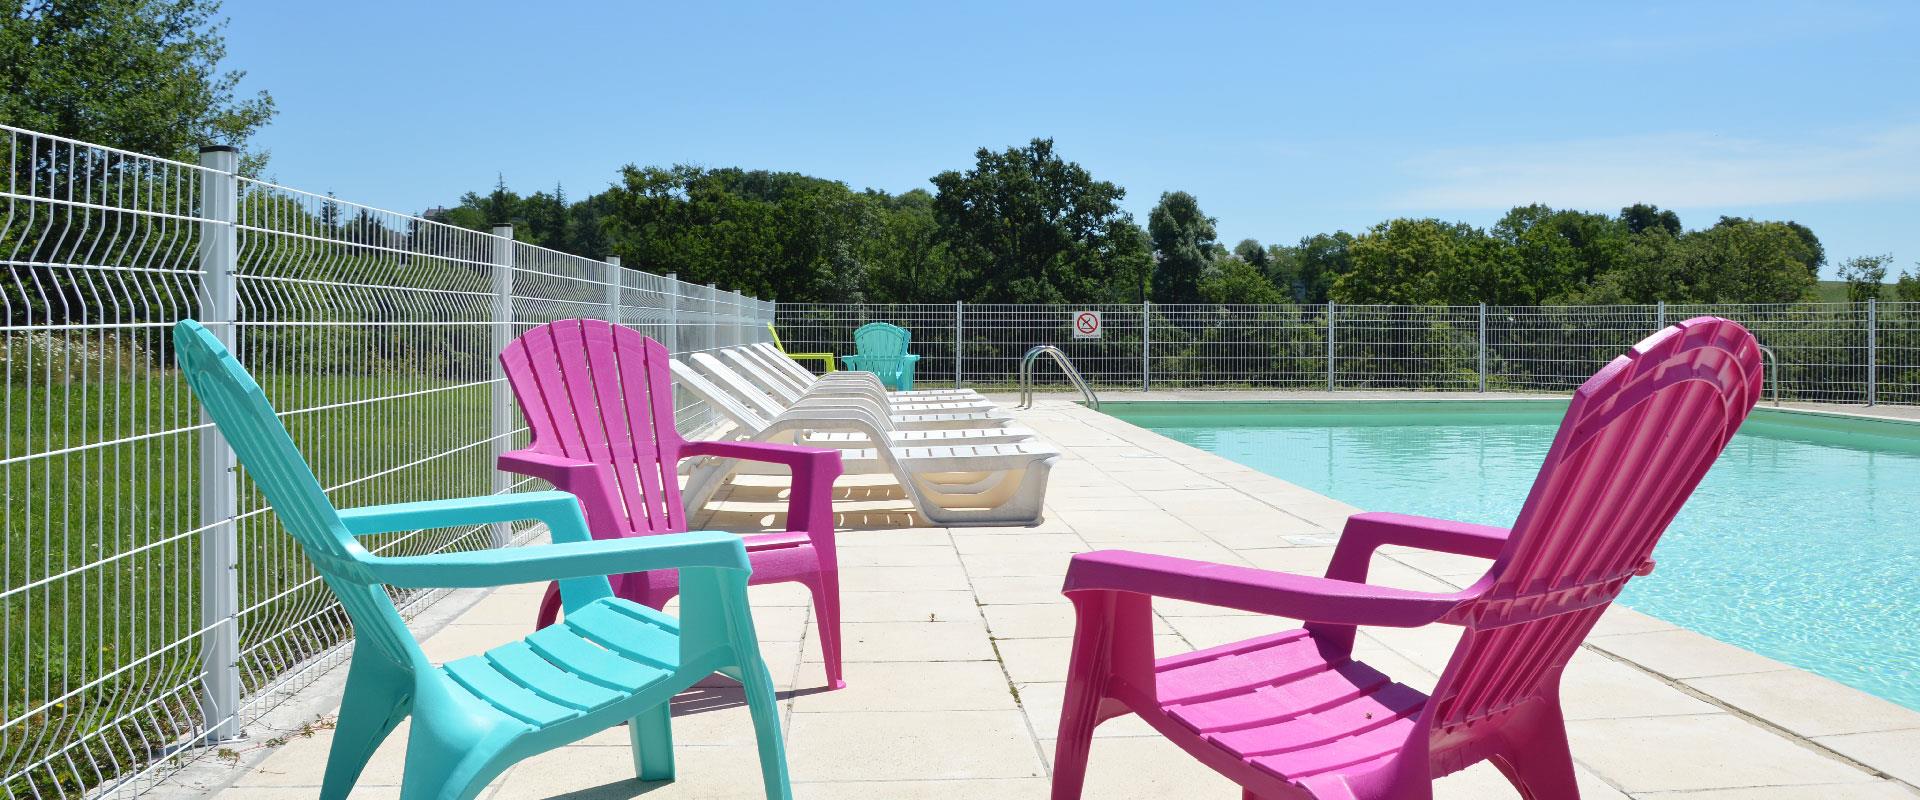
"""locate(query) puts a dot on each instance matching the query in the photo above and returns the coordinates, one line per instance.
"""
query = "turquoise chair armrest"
(559, 510)
(912, 358)
(484, 568)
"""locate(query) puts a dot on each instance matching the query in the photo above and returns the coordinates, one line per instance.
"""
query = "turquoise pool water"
(1803, 542)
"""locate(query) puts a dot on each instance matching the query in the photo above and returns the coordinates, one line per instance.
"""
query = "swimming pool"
(1802, 543)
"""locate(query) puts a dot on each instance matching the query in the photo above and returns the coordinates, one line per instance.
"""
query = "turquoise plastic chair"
(609, 661)
(883, 352)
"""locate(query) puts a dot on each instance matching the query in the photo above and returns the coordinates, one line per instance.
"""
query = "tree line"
(1025, 225)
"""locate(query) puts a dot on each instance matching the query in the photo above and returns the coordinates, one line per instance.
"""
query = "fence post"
(219, 539)
(1483, 348)
(672, 340)
(616, 280)
(1660, 316)
(959, 340)
(1873, 355)
(1331, 308)
(714, 328)
(1146, 345)
(502, 336)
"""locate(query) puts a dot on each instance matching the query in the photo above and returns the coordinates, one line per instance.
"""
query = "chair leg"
(1087, 674)
(455, 765)
(1538, 760)
(652, 735)
(757, 682)
(826, 615)
(549, 607)
(376, 701)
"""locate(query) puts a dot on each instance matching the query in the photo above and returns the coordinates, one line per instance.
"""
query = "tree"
(775, 235)
(141, 75)
(1641, 217)
(910, 263)
(1864, 276)
(1183, 239)
(1232, 280)
(1560, 253)
(1743, 261)
(330, 211)
(1427, 262)
(1320, 260)
(1026, 226)
(1813, 255)
(1907, 288)
(1250, 251)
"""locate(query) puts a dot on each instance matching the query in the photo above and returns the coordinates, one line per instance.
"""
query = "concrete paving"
(957, 643)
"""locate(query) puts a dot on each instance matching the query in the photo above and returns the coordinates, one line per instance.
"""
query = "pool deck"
(957, 642)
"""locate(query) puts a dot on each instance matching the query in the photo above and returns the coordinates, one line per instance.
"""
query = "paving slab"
(957, 640)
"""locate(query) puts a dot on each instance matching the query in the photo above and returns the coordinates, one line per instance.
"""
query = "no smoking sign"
(1086, 325)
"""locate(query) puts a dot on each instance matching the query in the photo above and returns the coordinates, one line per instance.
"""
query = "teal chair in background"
(609, 661)
(882, 350)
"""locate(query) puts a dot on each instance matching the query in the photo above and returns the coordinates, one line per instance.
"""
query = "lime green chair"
(823, 358)
(609, 661)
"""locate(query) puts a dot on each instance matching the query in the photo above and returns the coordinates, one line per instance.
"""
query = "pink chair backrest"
(1636, 440)
(600, 392)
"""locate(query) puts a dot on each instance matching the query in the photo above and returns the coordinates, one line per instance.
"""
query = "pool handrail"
(1773, 372)
(1066, 366)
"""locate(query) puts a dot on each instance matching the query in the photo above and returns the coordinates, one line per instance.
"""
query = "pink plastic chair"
(1293, 715)
(600, 404)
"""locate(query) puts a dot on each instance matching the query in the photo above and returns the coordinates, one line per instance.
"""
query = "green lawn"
(67, 514)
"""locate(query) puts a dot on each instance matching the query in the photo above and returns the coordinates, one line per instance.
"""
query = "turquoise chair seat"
(602, 655)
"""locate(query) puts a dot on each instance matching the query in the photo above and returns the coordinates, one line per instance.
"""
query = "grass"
(100, 530)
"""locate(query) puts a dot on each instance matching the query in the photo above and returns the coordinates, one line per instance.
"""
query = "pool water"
(1802, 543)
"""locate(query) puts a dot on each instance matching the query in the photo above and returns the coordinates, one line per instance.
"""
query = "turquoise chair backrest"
(881, 340)
(235, 402)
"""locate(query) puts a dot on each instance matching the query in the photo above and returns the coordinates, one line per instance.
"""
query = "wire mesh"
(1556, 348)
(372, 331)
(1827, 351)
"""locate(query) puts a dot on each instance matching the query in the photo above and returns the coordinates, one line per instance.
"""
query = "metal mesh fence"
(1845, 353)
(144, 612)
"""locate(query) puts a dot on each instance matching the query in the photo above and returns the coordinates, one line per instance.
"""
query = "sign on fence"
(1086, 325)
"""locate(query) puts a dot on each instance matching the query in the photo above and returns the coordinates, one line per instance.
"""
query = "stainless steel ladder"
(1773, 369)
(1066, 366)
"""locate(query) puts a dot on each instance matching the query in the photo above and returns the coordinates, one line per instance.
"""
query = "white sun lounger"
(802, 380)
(948, 414)
(831, 411)
(866, 384)
(954, 485)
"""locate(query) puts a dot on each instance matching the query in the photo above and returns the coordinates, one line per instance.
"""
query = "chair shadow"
(699, 699)
(743, 521)
(719, 693)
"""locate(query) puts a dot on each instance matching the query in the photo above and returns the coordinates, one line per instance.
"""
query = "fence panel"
(101, 649)
(1406, 347)
(1556, 348)
(1821, 348)
(1897, 353)
(1826, 351)
(1205, 346)
(373, 332)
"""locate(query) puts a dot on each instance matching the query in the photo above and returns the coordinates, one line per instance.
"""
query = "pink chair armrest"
(555, 469)
(583, 479)
(1366, 533)
(1300, 597)
(810, 504)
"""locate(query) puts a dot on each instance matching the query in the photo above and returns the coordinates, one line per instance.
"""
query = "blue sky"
(1283, 119)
